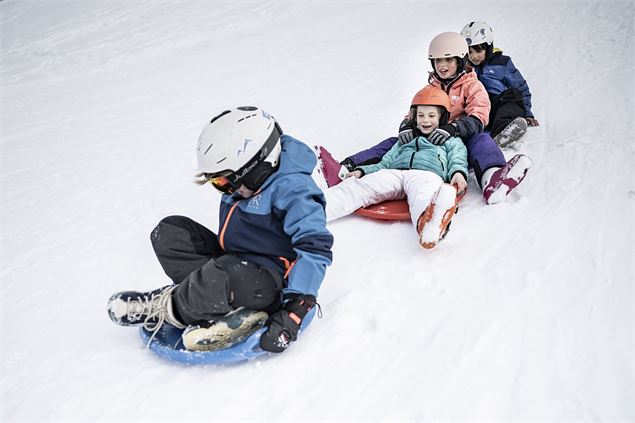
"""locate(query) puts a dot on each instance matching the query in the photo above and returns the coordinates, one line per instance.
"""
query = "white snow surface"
(523, 313)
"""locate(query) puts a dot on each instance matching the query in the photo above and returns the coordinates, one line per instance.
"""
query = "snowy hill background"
(524, 312)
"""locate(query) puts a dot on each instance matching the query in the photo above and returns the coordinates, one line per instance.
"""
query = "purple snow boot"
(332, 170)
(506, 178)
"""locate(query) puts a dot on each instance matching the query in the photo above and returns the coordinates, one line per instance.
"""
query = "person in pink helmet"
(469, 115)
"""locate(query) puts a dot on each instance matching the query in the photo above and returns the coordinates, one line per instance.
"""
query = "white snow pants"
(418, 186)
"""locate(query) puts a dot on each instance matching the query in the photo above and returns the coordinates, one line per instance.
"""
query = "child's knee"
(170, 224)
(251, 286)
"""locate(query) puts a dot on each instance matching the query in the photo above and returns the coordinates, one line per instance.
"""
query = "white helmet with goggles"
(240, 146)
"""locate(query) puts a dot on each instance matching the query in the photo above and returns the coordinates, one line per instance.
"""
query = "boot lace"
(154, 309)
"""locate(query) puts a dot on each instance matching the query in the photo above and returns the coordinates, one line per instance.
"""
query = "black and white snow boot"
(150, 309)
(228, 330)
(511, 133)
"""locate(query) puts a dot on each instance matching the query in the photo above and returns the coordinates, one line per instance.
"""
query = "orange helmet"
(432, 96)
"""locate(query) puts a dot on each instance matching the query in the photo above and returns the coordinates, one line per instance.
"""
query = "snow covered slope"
(523, 313)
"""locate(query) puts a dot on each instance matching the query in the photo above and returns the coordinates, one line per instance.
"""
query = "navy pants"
(210, 281)
(483, 153)
(506, 107)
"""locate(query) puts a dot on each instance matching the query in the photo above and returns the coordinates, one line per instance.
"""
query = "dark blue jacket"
(283, 226)
(498, 73)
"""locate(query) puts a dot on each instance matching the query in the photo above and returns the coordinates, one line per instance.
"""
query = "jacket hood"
(295, 157)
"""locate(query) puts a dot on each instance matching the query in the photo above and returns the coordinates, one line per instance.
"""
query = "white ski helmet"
(242, 145)
(478, 32)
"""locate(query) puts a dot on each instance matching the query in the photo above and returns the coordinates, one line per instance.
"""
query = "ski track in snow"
(523, 313)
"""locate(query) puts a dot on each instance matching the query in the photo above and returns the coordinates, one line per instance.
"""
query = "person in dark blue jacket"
(508, 91)
(269, 257)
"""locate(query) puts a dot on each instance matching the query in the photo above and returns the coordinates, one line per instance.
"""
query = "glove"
(283, 325)
(406, 131)
(440, 135)
(348, 164)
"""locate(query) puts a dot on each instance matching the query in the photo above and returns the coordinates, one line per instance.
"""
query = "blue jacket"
(283, 226)
(444, 160)
(498, 73)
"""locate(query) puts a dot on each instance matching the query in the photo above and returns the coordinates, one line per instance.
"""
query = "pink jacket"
(467, 96)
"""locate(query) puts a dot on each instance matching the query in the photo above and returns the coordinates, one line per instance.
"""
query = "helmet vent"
(222, 160)
(222, 114)
(210, 146)
(246, 117)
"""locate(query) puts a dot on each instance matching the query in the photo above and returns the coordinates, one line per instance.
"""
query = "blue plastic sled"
(167, 344)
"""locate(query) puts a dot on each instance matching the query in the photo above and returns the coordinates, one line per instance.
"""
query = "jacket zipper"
(221, 235)
(412, 157)
(221, 238)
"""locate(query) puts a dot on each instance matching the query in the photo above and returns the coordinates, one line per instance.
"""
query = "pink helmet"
(448, 44)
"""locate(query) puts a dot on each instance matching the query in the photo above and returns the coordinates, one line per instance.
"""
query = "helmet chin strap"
(445, 116)
(460, 70)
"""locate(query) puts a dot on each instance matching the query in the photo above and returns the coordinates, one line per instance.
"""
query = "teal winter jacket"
(444, 160)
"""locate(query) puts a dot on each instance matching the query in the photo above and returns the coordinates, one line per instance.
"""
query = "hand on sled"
(283, 326)
(458, 181)
(532, 121)
(354, 174)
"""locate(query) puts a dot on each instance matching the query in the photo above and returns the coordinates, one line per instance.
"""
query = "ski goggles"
(222, 182)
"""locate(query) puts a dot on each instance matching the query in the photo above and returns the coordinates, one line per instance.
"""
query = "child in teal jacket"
(416, 170)
(444, 160)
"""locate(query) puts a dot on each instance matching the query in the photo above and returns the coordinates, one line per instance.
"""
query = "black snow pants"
(210, 281)
(506, 107)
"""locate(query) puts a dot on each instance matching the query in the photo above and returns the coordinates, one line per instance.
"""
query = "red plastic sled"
(388, 210)
(392, 209)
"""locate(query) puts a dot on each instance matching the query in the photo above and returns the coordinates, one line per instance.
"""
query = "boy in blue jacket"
(269, 257)
(508, 91)
(415, 169)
